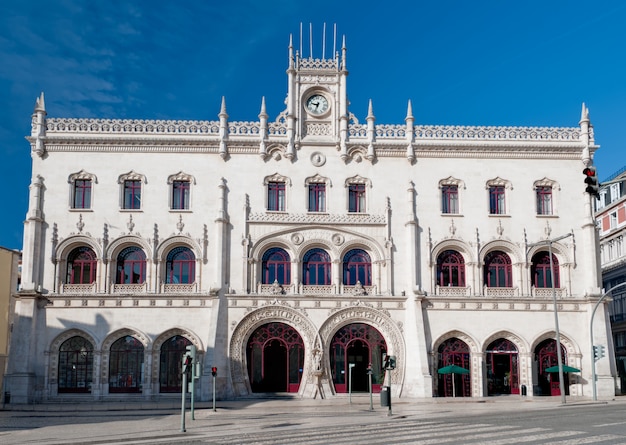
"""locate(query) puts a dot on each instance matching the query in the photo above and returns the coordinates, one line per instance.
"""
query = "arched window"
(450, 269)
(276, 266)
(126, 365)
(357, 266)
(316, 267)
(172, 351)
(498, 270)
(75, 365)
(81, 266)
(180, 266)
(131, 266)
(540, 270)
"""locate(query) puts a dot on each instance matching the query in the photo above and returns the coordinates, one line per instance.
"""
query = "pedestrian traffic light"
(214, 371)
(191, 351)
(591, 179)
(389, 361)
(187, 363)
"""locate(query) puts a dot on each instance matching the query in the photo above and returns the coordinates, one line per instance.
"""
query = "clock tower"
(317, 102)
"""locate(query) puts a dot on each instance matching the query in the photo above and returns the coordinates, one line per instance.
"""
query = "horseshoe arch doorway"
(275, 358)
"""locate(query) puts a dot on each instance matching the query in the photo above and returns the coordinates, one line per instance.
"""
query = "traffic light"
(191, 351)
(389, 361)
(187, 363)
(214, 371)
(189, 359)
(591, 179)
(598, 352)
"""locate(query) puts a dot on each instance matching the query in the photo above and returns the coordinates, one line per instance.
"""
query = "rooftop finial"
(40, 104)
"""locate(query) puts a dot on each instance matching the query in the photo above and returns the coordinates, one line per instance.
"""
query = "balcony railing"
(546, 292)
(501, 292)
(169, 288)
(453, 291)
(126, 289)
(75, 289)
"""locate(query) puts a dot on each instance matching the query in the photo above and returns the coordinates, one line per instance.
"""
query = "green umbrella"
(565, 369)
(453, 369)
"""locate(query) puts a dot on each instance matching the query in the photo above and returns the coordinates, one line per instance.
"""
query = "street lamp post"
(593, 359)
(559, 356)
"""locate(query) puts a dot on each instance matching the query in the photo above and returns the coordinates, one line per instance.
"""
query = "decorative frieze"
(303, 218)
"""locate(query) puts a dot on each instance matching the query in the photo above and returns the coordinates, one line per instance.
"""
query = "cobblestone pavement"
(279, 421)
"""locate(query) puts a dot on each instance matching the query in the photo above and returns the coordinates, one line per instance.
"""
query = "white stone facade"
(229, 223)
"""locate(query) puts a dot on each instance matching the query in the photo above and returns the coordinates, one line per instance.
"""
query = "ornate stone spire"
(223, 129)
(410, 151)
(585, 134)
(263, 128)
(371, 133)
(38, 126)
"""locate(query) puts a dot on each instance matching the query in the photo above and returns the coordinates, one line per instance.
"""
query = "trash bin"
(7, 397)
(523, 390)
(385, 396)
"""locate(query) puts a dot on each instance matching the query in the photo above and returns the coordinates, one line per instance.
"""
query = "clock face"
(317, 104)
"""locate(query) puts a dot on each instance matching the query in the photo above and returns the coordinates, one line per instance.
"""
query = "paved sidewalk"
(153, 423)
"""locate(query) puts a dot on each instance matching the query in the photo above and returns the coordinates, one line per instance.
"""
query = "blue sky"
(530, 63)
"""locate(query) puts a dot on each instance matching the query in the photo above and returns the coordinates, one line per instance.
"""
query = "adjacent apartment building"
(296, 251)
(611, 222)
(9, 281)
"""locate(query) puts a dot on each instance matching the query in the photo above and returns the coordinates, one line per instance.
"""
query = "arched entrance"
(454, 352)
(357, 344)
(502, 368)
(275, 356)
(545, 357)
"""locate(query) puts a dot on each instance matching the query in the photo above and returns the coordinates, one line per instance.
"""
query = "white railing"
(501, 292)
(76, 289)
(169, 288)
(134, 288)
(453, 291)
(309, 289)
(546, 292)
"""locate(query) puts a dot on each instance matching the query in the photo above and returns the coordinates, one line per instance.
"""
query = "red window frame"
(497, 200)
(450, 269)
(356, 198)
(357, 266)
(131, 266)
(317, 197)
(81, 266)
(180, 266)
(180, 195)
(132, 194)
(316, 267)
(450, 199)
(454, 351)
(276, 196)
(82, 194)
(498, 270)
(544, 200)
(540, 270)
(276, 266)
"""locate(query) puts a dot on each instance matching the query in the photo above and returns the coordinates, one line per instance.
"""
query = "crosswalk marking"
(418, 432)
